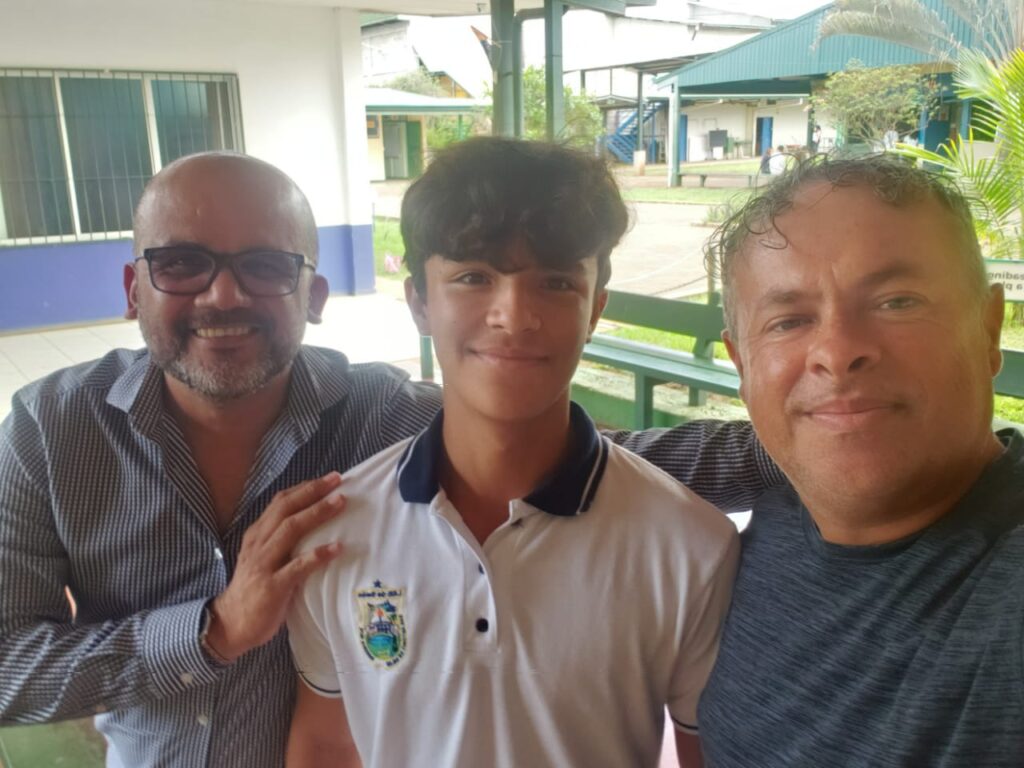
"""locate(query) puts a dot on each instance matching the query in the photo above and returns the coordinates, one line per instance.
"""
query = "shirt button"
(186, 678)
(203, 720)
(482, 625)
(480, 567)
(217, 553)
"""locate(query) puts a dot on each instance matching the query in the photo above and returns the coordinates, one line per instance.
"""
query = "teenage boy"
(514, 589)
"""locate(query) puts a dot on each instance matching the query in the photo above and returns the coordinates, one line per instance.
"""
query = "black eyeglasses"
(187, 270)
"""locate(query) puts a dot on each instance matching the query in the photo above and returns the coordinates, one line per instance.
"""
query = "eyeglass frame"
(220, 261)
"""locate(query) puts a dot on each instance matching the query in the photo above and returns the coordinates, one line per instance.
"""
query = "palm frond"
(998, 25)
(904, 22)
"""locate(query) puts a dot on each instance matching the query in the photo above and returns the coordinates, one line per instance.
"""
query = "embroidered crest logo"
(381, 615)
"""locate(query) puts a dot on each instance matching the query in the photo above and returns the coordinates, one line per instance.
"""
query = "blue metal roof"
(789, 51)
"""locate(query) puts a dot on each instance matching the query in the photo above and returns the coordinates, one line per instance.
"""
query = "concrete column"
(502, 33)
(554, 86)
(639, 111)
(672, 150)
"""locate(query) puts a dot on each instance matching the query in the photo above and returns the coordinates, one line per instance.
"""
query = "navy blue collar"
(568, 492)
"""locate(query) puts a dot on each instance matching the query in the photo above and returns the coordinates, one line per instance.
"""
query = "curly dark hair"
(893, 179)
(480, 195)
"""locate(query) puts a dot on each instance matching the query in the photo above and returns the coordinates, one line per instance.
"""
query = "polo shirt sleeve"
(705, 606)
(309, 640)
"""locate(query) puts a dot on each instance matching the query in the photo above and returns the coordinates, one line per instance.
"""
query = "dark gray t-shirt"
(907, 654)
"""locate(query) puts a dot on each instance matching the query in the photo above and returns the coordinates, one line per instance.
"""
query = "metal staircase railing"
(622, 143)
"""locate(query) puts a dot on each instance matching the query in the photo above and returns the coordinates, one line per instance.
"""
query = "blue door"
(764, 134)
(682, 139)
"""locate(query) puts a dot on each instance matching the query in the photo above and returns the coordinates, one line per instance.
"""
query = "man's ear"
(417, 307)
(734, 354)
(994, 313)
(600, 302)
(319, 290)
(131, 292)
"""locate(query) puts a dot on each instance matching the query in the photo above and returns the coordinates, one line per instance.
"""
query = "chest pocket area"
(394, 629)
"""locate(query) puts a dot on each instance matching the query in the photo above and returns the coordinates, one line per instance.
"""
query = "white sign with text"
(1009, 272)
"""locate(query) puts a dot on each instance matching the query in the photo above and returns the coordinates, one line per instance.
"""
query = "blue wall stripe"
(45, 285)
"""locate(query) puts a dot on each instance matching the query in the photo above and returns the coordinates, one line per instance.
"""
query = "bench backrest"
(1010, 380)
(705, 322)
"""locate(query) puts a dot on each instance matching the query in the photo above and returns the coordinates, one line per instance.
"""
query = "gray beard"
(225, 381)
(219, 382)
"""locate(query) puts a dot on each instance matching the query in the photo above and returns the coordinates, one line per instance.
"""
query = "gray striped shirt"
(99, 492)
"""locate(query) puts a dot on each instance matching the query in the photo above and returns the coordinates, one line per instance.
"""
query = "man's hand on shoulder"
(250, 611)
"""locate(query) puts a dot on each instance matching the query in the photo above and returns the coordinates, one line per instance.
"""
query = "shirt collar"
(568, 492)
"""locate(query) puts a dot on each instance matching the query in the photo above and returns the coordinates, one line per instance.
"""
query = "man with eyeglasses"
(150, 484)
(139, 482)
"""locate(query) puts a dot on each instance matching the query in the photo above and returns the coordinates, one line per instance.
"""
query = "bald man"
(138, 481)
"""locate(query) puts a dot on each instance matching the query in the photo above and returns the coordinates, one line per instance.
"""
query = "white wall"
(298, 73)
(710, 116)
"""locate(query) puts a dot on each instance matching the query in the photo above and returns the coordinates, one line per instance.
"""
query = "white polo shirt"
(557, 643)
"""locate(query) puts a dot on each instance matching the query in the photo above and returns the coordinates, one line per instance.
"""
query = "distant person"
(766, 161)
(815, 139)
(777, 162)
(515, 589)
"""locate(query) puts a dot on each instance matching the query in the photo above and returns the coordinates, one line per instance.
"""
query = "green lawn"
(73, 744)
(699, 195)
(387, 239)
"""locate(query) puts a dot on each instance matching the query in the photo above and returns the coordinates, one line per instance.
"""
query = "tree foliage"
(583, 123)
(867, 103)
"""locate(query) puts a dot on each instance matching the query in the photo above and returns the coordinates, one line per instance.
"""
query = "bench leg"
(643, 402)
(697, 397)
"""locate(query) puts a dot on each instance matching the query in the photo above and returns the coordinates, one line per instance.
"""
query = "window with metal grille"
(76, 147)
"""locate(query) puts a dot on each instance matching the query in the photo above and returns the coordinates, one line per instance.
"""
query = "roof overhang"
(749, 89)
(389, 101)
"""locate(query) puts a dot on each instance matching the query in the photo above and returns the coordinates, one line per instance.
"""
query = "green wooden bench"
(750, 177)
(652, 365)
(1010, 380)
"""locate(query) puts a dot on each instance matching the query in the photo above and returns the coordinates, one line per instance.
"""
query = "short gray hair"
(894, 180)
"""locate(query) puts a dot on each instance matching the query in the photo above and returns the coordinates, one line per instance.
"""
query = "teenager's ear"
(417, 307)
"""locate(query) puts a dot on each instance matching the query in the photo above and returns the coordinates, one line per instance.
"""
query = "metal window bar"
(79, 175)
